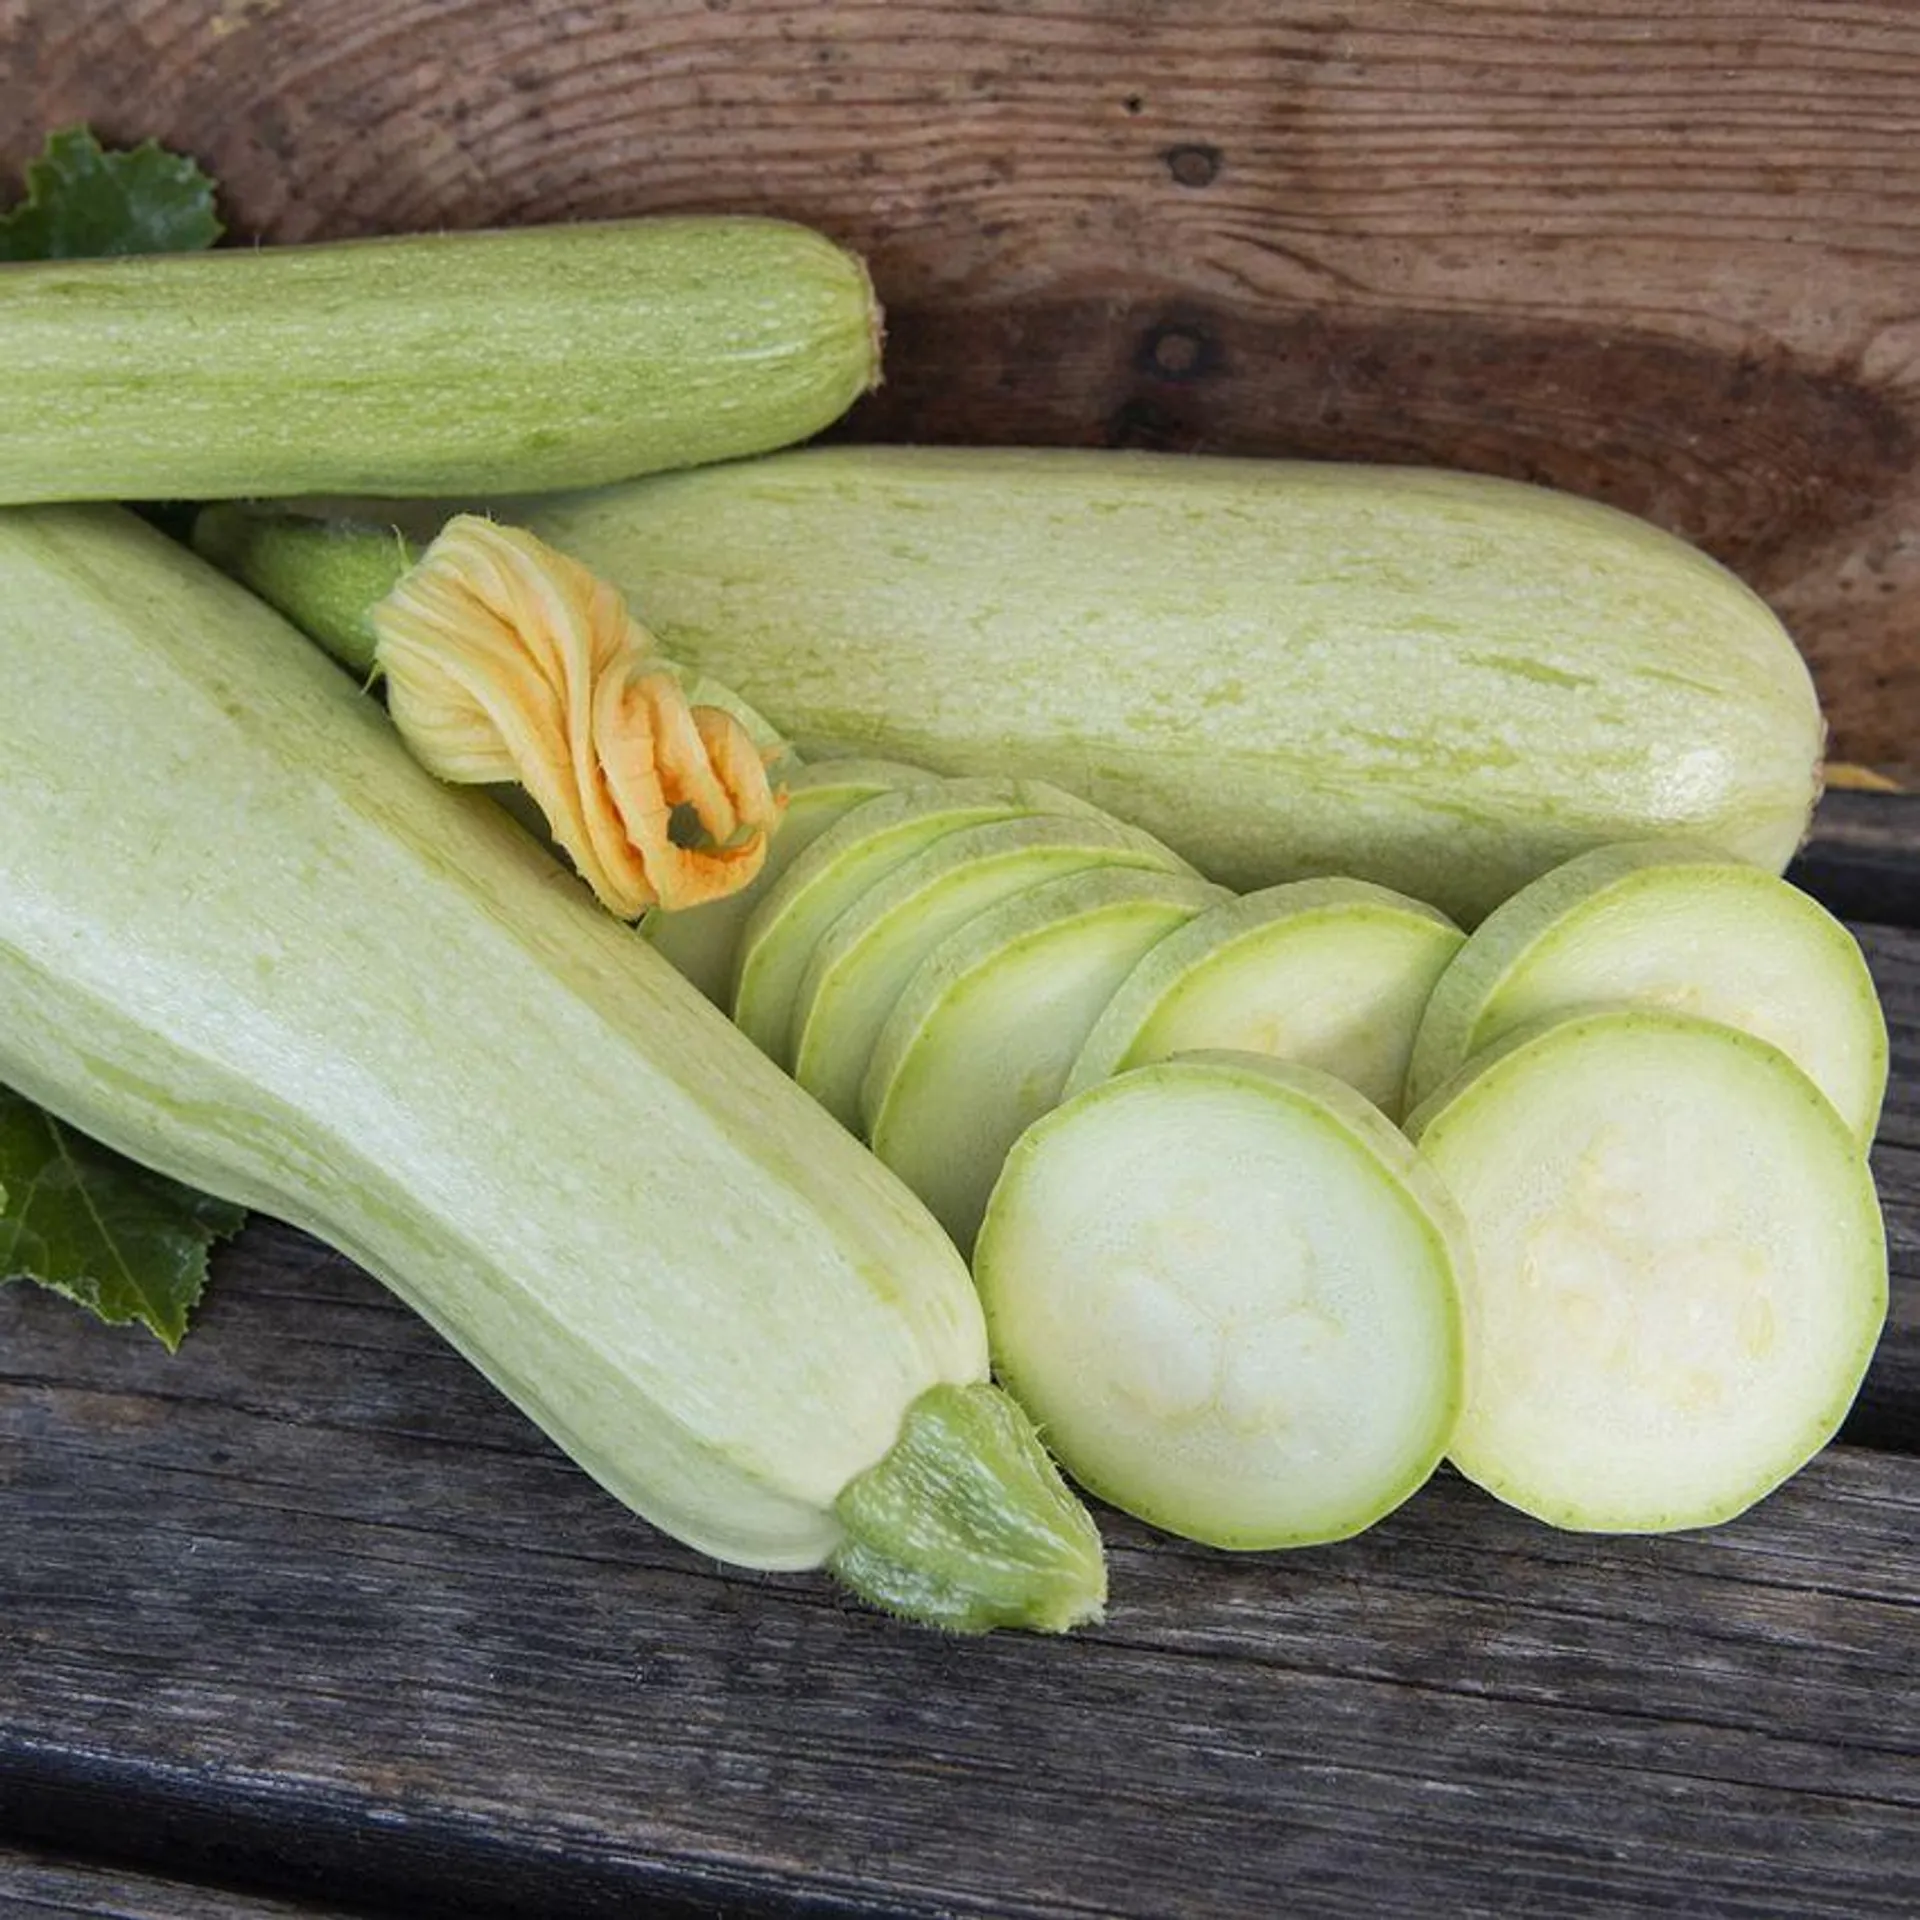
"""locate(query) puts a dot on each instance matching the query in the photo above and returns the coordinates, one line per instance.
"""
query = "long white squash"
(1440, 682)
(247, 940)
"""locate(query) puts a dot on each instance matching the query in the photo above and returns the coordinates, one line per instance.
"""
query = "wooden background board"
(1665, 255)
(309, 1608)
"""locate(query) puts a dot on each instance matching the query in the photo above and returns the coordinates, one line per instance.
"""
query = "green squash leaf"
(83, 200)
(121, 1241)
(128, 1244)
(75, 1217)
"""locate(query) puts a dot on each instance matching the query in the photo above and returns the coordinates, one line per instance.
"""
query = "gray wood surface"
(1887, 1413)
(309, 1585)
(307, 1607)
(43, 1887)
(1861, 859)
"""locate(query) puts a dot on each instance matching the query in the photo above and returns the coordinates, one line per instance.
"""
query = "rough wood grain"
(310, 1603)
(309, 1607)
(41, 1887)
(1862, 859)
(1888, 1411)
(1661, 255)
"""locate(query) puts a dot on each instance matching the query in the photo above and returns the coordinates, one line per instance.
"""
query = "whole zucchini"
(558, 356)
(246, 939)
(1440, 682)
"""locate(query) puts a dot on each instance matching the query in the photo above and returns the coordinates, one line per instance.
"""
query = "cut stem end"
(966, 1524)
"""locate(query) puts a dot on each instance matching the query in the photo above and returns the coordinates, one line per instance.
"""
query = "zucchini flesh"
(979, 1043)
(861, 968)
(1679, 1268)
(703, 943)
(1673, 926)
(1226, 1288)
(1330, 974)
(784, 930)
(542, 357)
(246, 939)
(1440, 682)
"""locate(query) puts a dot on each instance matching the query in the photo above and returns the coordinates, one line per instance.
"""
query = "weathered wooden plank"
(1862, 858)
(1887, 1413)
(1662, 255)
(41, 1887)
(309, 1601)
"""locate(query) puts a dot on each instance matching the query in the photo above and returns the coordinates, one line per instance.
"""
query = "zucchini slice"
(1332, 974)
(860, 969)
(860, 849)
(1687, 929)
(979, 1043)
(703, 942)
(1679, 1268)
(1226, 1288)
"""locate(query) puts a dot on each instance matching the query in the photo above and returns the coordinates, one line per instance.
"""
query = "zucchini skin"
(247, 940)
(535, 358)
(1440, 682)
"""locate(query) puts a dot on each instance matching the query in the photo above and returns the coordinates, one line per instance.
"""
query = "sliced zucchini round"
(1331, 974)
(1226, 1288)
(978, 1045)
(870, 952)
(702, 942)
(1689, 929)
(1679, 1268)
(862, 847)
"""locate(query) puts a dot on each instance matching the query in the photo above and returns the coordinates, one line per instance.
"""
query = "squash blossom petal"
(506, 660)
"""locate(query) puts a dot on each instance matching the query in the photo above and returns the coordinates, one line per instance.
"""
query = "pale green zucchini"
(473, 363)
(870, 952)
(1329, 974)
(1444, 683)
(247, 940)
(703, 942)
(1225, 1287)
(979, 1043)
(1674, 926)
(1679, 1267)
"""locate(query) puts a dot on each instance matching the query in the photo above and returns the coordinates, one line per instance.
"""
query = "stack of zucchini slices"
(1276, 1200)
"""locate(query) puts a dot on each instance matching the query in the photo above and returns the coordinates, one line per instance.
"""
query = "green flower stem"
(324, 575)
